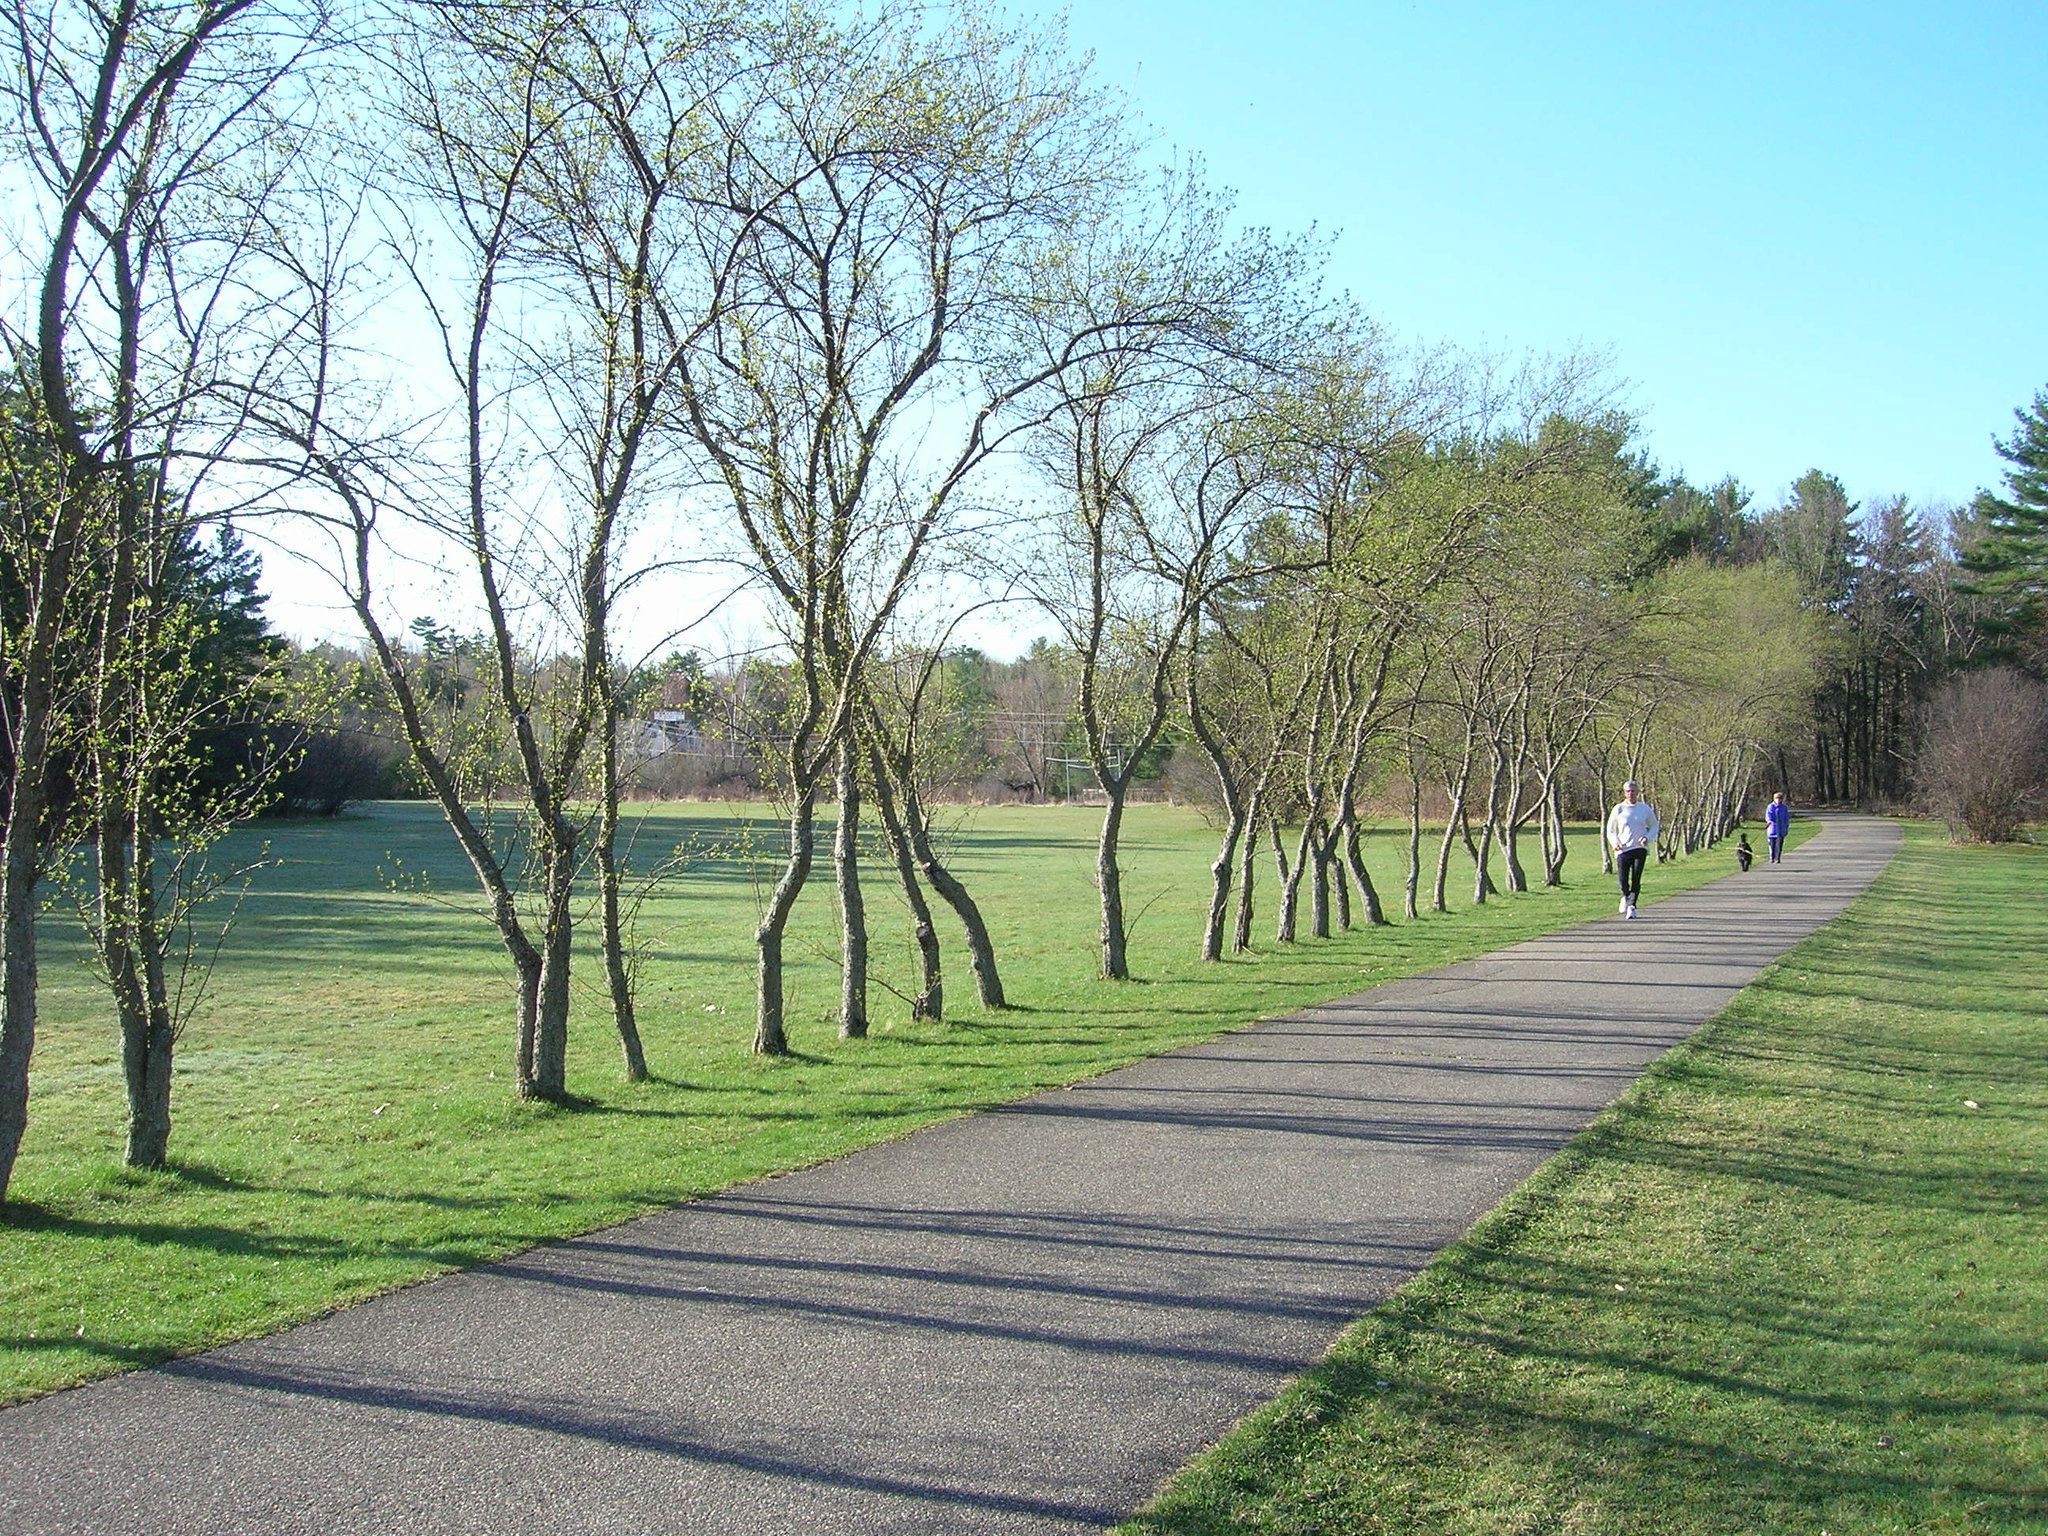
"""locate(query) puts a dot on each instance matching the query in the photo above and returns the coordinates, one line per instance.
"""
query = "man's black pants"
(1628, 866)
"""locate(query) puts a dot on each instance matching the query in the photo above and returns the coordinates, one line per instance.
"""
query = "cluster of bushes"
(1982, 766)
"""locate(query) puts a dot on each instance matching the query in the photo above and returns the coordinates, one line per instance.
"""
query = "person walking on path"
(1631, 827)
(1777, 822)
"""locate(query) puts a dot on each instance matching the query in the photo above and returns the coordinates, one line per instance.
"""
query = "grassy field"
(1795, 1281)
(345, 1121)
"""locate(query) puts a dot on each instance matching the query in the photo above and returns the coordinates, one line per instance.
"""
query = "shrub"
(1982, 764)
(332, 770)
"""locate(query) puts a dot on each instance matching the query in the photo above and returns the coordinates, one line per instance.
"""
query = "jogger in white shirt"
(1632, 827)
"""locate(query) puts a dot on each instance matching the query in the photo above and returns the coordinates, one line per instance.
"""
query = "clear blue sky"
(1808, 235)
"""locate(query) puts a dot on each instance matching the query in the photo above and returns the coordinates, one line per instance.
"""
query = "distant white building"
(666, 731)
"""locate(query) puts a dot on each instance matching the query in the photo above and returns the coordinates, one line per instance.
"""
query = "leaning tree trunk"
(1510, 837)
(1481, 851)
(1483, 883)
(981, 952)
(1454, 817)
(1220, 870)
(1290, 884)
(1225, 862)
(1354, 859)
(1340, 878)
(770, 1036)
(930, 1002)
(853, 912)
(1482, 887)
(1247, 868)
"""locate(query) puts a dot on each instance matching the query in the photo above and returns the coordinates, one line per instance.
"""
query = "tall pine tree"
(2009, 564)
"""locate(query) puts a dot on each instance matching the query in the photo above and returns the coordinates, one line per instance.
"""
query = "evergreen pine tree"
(2009, 564)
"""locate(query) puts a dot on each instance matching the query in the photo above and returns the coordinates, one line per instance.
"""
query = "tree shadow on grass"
(1665, 1432)
(245, 1243)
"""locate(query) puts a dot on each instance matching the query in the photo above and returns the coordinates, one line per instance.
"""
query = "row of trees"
(547, 311)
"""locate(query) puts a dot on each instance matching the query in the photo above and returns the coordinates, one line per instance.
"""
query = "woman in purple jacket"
(1777, 822)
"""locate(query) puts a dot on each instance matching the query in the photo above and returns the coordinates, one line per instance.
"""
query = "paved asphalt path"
(1020, 1322)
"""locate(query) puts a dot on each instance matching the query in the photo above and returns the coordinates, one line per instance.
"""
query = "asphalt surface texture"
(1021, 1322)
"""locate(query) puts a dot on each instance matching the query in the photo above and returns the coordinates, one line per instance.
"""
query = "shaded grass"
(1792, 1282)
(344, 1115)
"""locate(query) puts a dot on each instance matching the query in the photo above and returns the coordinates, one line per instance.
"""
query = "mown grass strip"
(1794, 1281)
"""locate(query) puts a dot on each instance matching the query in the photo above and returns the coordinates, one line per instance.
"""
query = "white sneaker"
(1623, 908)
(1629, 911)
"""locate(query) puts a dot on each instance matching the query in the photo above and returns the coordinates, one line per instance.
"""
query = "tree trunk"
(1511, 852)
(1606, 805)
(1225, 862)
(1340, 879)
(1482, 880)
(21, 854)
(1109, 881)
(1411, 887)
(618, 974)
(1290, 884)
(853, 912)
(981, 953)
(1557, 847)
(1247, 868)
(18, 872)
(930, 1002)
(770, 1036)
(1438, 901)
(1485, 876)
(149, 1092)
(526, 964)
(123, 795)
(1354, 856)
(1454, 819)
(551, 1016)
(1220, 870)
(1314, 852)
(133, 959)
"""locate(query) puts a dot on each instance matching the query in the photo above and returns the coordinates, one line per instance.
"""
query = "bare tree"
(1144, 451)
(892, 725)
(119, 120)
(530, 221)
(884, 202)
(1982, 764)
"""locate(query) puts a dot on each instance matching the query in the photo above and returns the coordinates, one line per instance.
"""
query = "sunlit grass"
(344, 1116)
(1793, 1282)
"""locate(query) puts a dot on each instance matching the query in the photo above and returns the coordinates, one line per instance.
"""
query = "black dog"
(1744, 854)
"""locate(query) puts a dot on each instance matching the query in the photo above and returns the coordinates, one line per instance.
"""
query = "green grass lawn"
(344, 1114)
(1795, 1281)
